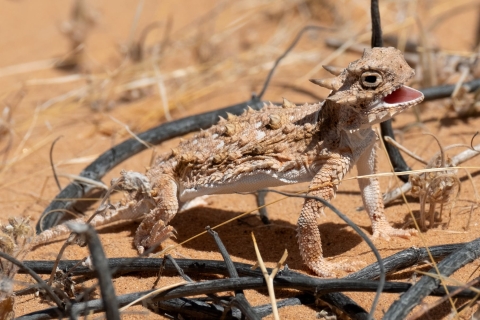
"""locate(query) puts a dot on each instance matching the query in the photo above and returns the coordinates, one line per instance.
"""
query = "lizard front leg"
(154, 227)
(372, 197)
(323, 185)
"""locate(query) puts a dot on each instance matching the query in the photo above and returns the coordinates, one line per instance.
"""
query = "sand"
(219, 61)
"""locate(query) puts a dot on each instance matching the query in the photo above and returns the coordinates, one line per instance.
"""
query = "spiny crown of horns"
(378, 72)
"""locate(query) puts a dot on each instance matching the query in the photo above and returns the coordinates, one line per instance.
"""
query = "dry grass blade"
(153, 293)
(391, 174)
(163, 93)
(171, 247)
(449, 280)
(401, 147)
(269, 277)
(27, 67)
(466, 286)
(127, 128)
(280, 264)
(92, 182)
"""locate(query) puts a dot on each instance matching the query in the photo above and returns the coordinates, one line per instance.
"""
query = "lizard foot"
(156, 235)
(389, 231)
(326, 269)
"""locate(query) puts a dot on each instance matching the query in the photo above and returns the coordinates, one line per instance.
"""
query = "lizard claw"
(155, 235)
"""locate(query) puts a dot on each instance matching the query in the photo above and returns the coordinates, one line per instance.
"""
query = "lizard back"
(271, 147)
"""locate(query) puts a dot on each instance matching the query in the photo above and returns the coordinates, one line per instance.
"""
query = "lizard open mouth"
(392, 104)
(403, 95)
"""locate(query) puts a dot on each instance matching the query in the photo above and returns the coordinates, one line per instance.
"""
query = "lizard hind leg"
(154, 228)
(310, 243)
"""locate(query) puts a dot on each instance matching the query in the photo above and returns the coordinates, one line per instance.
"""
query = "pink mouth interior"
(402, 94)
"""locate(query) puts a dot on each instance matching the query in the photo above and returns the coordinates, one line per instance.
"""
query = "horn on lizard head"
(333, 70)
(329, 83)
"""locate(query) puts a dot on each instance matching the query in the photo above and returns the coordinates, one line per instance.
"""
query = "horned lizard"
(275, 146)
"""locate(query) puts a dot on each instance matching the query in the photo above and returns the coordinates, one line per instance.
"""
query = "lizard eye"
(371, 80)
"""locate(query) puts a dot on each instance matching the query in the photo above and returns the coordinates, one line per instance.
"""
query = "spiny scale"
(333, 70)
(329, 83)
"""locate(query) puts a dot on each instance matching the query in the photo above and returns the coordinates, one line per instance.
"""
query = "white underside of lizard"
(249, 182)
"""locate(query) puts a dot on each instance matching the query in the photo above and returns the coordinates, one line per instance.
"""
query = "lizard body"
(275, 146)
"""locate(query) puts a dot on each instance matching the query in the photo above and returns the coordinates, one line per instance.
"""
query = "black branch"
(397, 262)
(396, 158)
(198, 309)
(240, 301)
(317, 286)
(405, 259)
(456, 260)
(100, 265)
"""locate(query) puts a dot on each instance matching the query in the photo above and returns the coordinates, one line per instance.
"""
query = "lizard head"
(372, 89)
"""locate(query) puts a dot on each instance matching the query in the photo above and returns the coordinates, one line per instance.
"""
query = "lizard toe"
(326, 269)
(158, 233)
(388, 232)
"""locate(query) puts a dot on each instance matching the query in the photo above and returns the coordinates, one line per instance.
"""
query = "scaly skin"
(279, 145)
